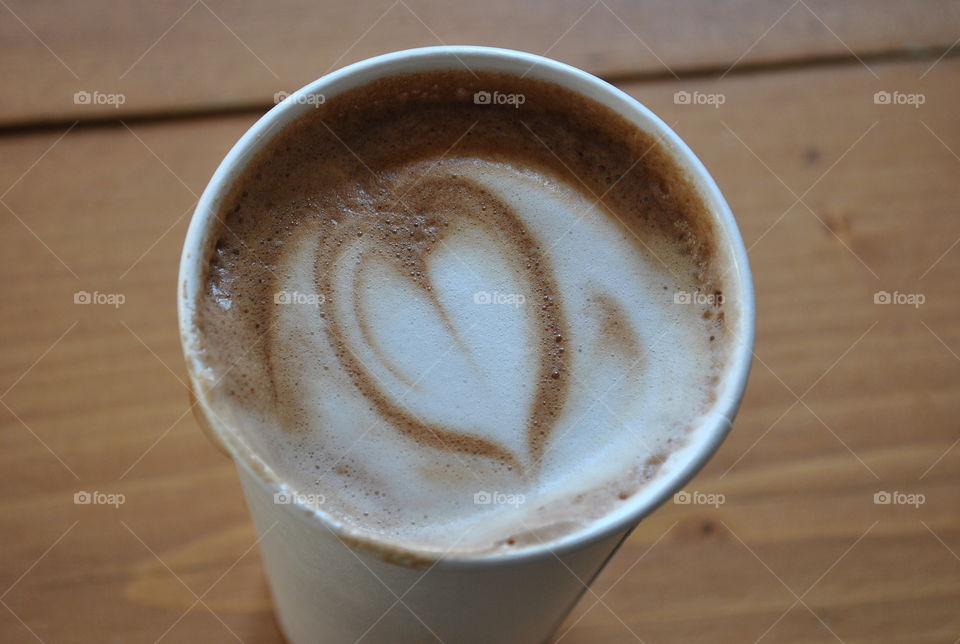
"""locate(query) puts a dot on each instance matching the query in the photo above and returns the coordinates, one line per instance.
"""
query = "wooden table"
(840, 198)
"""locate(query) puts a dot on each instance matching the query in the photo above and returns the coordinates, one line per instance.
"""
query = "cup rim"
(707, 436)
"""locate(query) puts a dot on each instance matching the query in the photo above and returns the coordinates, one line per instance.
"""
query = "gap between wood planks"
(712, 72)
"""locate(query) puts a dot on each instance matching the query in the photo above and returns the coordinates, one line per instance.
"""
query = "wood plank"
(188, 55)
(798, 479)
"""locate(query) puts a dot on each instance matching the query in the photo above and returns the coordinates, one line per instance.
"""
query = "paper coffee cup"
(329, 586)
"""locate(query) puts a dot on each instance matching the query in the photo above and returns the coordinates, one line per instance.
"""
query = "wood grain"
(93, 398)
(189, 55)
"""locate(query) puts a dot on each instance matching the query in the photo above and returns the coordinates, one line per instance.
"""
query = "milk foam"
(466, 353)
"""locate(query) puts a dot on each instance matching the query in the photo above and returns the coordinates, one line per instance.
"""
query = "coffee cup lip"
(687, 460)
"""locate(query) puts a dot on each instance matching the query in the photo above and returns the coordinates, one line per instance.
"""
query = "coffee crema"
(457, 325)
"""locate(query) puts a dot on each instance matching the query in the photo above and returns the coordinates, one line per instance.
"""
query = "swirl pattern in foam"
(463, 325)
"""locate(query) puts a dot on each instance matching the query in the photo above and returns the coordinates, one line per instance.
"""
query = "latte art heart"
(419, 307)
(404, 317)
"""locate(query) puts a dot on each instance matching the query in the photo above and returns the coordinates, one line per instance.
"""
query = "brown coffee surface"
(415, 296)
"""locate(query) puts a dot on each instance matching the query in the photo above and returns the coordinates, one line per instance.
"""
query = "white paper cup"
(329, 585)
